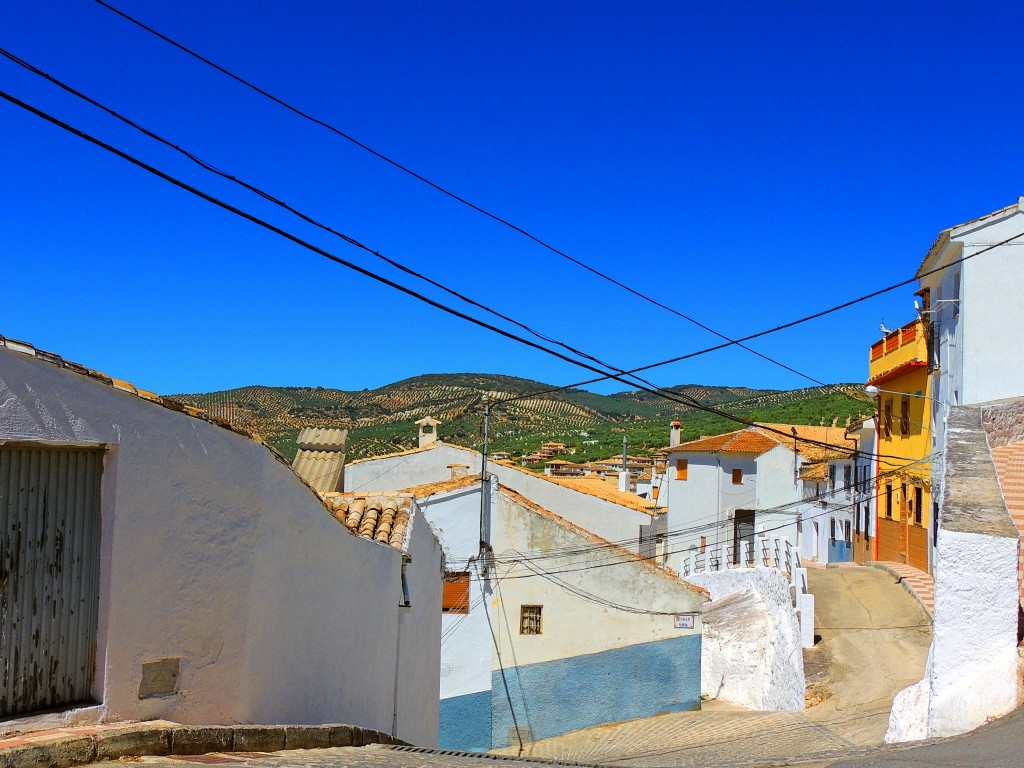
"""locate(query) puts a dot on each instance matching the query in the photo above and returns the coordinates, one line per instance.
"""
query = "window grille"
(530, 620)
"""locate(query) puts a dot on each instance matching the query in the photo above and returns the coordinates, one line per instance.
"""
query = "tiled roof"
(836, 444)
(740, 441)
(443, 486)
(383, 518)
(814, 471)
(764, 436)
(622, 551)
(602, 489)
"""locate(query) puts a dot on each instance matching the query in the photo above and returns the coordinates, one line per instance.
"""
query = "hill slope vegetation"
(382, 420)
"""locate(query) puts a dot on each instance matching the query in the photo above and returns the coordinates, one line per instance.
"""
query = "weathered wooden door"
(49, 576)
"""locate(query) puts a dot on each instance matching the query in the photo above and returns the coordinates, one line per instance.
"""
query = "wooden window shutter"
(737, 476)
(455, 595)
(681, 467)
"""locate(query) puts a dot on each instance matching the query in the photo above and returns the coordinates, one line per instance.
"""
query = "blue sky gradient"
(746, 165)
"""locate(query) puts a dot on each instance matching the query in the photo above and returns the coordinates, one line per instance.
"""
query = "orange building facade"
(899, 367)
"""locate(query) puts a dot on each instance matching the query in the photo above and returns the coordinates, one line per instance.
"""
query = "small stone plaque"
(159, 678)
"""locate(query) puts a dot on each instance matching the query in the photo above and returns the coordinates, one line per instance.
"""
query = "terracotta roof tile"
(443, 486)
(380, 517)
(602, 489)
(740, 441)
(837, 446)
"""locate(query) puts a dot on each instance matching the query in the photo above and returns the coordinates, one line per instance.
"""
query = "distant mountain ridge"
(382, 420)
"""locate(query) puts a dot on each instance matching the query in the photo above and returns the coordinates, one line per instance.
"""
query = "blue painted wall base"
(555, 697)
(466, 722)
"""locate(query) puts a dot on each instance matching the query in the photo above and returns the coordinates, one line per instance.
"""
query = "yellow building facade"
(898, 367)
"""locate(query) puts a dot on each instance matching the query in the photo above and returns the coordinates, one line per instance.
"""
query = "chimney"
(675, 434)
(428, 430)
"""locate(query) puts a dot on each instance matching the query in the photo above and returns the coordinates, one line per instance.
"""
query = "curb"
(71, 749)
(899, 580)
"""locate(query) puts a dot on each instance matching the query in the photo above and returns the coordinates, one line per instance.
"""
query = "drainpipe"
(403, 607)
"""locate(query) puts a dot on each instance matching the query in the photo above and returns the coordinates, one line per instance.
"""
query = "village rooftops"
(813, 443)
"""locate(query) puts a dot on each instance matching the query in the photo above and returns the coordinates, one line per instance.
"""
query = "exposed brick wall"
(917, 546)
(889, 540)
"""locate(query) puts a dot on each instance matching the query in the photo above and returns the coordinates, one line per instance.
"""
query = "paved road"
(874, 643)
(997, 745)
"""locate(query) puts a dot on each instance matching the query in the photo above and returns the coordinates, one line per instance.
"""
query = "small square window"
(737, 477)
(681, 466)
(530, 620)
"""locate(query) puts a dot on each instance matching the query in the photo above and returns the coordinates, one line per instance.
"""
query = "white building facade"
(972, 307)
(519, 625)
(208, 582)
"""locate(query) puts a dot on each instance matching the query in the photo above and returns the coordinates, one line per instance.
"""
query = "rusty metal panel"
(49, 576)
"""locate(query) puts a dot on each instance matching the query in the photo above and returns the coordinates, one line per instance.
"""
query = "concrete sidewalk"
(79, 745)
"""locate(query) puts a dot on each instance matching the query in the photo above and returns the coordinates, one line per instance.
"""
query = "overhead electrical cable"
(651, 389)
(690, 532)
(443, 190)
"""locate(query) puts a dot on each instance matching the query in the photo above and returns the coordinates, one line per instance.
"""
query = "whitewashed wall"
(394, 473)
(751, 653)
(693, 502)
(972, 671)
(213, 551)
(776, 487)
(466, 652)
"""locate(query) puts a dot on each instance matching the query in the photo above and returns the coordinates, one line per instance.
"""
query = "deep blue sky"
(747, 165)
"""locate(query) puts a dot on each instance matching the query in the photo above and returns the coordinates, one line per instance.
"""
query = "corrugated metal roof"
(322, 439)
(322, 470)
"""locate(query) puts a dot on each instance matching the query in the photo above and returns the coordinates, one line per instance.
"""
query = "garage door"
(49, 576)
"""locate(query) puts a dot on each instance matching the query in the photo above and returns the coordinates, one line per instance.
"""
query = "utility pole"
(625, 444)
(484, 486)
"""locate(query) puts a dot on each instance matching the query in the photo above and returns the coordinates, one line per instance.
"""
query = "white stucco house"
(156, 564)
(826, 516)
(589, 502)
(725, 490)
(973, 308)
(865, 470)
(580, 630)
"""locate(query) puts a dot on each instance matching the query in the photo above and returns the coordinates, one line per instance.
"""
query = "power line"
(688, 533)
(405, 169)
(790, 324)
(286, 206)
(346, 238)
(652, 389)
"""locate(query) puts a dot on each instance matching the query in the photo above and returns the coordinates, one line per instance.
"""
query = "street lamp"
(874, 391)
